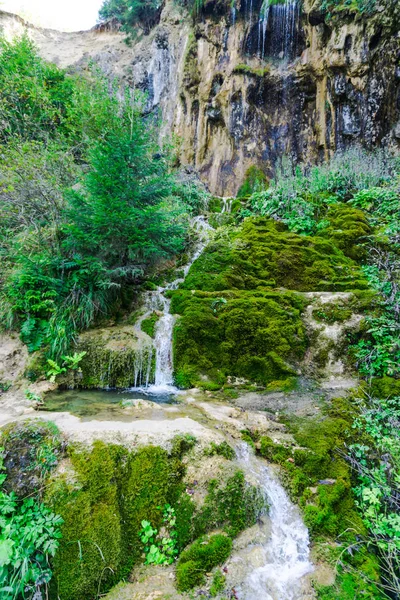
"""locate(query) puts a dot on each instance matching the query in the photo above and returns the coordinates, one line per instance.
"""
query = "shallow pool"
(102, 404)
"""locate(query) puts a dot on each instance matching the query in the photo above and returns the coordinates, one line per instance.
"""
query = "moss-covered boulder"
(102, 496)
(200, 558)
(116, 357)
(257, 336)
(263, 253)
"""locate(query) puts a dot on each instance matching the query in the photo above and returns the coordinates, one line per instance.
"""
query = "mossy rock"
(204, 554)
(102, 497)
(32, 449)
(256, 336)
(149, 325)
(263, 253)
(255, 180)
(233, 506)
(317, 475)
(112, 359)
(348, 229)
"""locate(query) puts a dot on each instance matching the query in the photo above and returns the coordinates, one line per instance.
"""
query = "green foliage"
(4, 386)
(132, 14)
(33, 397)
(335, 8)
(222, 449)
(149, 325)
(377, 463)
(29, 538)
(160, 550)
(69, 362)
(103, 506)
(233, 506)
(72, 252)
(300, 197)
(378, 353)
(199, 558)
(218, 583)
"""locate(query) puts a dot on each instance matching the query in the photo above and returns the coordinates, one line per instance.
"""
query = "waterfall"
(226, 205)
(157, 301)
(281, 21)
(286, 552)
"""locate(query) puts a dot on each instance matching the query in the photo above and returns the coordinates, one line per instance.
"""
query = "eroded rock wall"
(234, 94)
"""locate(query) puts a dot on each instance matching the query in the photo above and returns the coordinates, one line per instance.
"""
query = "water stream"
(157, 301)
(278, 28)
(286, 551)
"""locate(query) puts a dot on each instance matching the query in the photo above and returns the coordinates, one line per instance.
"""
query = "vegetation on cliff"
(346, 476)
(88, 201)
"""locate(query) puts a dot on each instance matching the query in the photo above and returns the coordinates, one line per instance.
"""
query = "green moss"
(255, 336)
(109, 367)
(181, 444)
(235, 323)
(273, 452)
(149, 325)
(232, 506)
(332, 313)
(385, 387)
(189, 575)
(223, 449)
(31, 450)
(255, 180)
(243, 69)
(103, 501)
(348, 229)
(218, 583)
(204, 554)
(36, 367)
(263, 253)
(316, 475)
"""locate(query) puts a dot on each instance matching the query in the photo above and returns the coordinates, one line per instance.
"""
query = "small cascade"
(286, 552)
(278, 29)
(142, 364)
(157, 301)
(226, 205)
(233, 14)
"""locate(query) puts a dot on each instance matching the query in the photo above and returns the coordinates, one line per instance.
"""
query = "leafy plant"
(69, 362)
(160, 549)
(4, 386)
(29, 537)
(55, 370)
(33, 397)
(377, 464)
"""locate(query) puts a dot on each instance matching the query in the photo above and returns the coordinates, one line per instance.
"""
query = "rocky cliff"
(244, 84)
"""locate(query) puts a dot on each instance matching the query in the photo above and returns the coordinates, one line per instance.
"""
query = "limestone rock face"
(239, 86)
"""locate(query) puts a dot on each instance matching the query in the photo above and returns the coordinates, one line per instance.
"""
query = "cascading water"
(286, 551)
(278, 28)
(226, 205)
(157, 301)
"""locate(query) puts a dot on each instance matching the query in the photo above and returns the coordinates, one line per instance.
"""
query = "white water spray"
(286, 552)
(283, 20)
(157, 301)
(226, 205)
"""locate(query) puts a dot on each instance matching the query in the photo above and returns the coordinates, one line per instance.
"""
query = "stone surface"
(232, 109)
